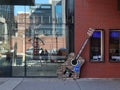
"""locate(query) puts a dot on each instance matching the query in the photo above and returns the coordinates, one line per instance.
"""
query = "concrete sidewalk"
(58, 84)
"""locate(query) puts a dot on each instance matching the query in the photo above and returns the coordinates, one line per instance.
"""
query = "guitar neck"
(81, 49)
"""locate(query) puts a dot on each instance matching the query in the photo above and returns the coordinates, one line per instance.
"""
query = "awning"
(17, 2)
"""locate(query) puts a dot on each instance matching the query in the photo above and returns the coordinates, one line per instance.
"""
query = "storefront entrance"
(44, 53)
(34, 42)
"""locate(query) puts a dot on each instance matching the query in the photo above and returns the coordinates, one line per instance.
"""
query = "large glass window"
(114, 45)
(34, 40)
(6, 34)
(42, 40)
(96, 46)
(2, 32)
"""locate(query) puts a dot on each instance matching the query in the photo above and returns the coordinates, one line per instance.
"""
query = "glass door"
(41, 42)
(45, 40)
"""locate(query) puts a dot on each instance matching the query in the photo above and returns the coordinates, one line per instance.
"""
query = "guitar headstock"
(90, 32)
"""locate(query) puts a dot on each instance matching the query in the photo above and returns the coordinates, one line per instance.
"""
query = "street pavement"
(58, 84)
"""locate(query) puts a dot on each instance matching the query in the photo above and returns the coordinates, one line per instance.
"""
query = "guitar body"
(72, 66)
(67, 70)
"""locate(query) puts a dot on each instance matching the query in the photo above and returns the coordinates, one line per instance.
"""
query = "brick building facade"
(23, 40)
(100, 15)
(23, 22)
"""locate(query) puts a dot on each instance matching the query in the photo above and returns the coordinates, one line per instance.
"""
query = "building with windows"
(7, 24)
(52, 1)
(7, 30)
(102, 53)
(8, 42)
(46, 21)
(23, 23)
(40, 39)
(63, 26)
(41, 15)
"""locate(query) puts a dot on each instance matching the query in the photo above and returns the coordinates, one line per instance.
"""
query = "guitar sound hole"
(74, 62)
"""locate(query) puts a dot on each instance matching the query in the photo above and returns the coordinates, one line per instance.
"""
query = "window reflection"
(114, 42)
(96, 46)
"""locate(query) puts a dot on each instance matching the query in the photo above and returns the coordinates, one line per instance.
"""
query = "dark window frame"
(110, 60)
(102, 47)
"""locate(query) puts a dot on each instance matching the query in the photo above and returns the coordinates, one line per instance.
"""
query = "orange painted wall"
(97, 14)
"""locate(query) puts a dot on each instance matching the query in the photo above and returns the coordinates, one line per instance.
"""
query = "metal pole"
(25, 45)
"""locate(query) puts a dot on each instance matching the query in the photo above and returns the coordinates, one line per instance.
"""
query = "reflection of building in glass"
(48, 22)
(7, 25)
(57, 18)
(23, 22)
(51, 1)
(41, 19)
(47, 19)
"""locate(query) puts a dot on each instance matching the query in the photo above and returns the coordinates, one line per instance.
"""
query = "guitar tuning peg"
(89, 33)
(91, 29)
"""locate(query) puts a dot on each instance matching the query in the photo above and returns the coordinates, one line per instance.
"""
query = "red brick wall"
(97, 14)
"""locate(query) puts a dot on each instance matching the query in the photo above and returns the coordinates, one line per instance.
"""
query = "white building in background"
(51, 1)
(58, 16)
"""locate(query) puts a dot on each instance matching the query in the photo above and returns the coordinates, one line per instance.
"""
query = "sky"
(26, 8)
